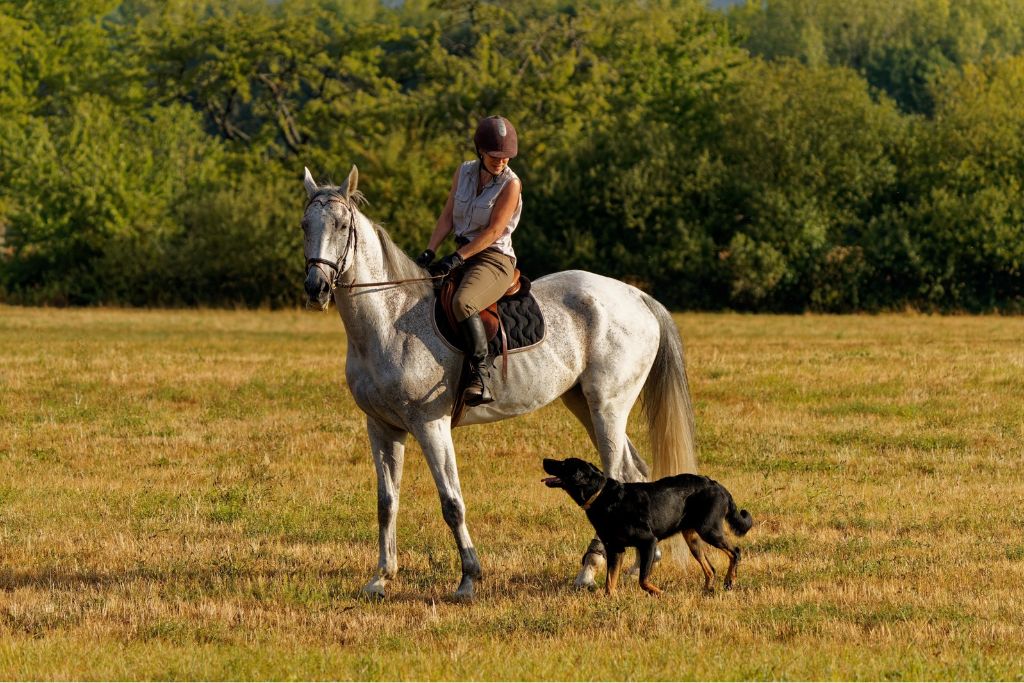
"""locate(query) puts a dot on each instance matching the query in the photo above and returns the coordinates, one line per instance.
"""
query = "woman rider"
(483, 209)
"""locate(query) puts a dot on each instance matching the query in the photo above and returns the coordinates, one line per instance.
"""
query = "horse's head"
(329, 236)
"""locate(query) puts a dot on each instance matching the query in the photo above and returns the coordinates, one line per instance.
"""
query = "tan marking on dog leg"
(614, 566)
(693, 543)
(650, 588)
(730, 574)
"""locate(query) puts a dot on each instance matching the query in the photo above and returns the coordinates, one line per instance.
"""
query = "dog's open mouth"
(552, 482)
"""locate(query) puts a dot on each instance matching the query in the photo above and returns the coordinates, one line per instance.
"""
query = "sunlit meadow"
(189, 495)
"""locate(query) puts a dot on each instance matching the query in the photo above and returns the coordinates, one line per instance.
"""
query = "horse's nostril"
(315, 285)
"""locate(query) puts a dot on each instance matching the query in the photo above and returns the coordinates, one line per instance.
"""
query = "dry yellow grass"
(188, 494)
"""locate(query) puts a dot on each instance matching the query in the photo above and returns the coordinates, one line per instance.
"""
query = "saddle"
(489, 316)
(513, 322)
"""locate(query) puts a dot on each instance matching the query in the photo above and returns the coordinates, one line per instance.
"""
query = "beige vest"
(472, 212)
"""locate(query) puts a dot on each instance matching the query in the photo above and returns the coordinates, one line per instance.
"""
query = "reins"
(352, 285)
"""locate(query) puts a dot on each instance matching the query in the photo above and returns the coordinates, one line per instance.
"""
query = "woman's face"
(495, 164)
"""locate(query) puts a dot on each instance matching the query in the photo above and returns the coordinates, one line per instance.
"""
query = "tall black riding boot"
(477, 392)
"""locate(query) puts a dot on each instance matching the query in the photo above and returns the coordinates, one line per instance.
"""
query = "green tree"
(899, 47)
(808, 162)
(957, 241)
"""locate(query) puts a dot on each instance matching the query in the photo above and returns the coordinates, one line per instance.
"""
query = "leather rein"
(351, 242)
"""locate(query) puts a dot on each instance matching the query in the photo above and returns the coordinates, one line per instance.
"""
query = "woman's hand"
(446, 265)
(426, 258)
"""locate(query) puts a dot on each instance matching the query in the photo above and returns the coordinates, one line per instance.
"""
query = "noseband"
(350, 245)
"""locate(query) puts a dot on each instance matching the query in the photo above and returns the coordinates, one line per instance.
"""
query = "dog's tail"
(739, 521)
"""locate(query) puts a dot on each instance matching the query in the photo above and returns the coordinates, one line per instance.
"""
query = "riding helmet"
(496, 136)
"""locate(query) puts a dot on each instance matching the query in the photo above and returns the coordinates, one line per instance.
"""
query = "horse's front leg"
(436, 440)
(388, 446)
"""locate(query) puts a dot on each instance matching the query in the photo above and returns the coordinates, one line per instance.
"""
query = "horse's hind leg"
(594, 559)
(388, 447)
(436, 440)
(606, 428)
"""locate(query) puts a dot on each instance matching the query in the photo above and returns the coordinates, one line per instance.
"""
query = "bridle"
(351, 243)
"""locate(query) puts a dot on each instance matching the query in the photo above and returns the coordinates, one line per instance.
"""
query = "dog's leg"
(645, 559)
(614, 565)
(693, 543)
(734, 562)
(716, 538)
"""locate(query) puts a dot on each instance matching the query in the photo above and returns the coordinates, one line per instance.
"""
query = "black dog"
(639, 515)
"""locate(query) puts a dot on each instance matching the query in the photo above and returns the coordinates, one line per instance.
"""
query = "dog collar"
(590, 501)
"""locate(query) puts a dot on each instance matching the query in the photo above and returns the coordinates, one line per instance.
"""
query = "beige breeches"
(487, 276)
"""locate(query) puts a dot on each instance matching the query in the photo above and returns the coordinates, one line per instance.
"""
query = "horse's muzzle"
(318, 290)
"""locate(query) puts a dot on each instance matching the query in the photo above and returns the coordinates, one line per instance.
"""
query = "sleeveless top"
(472, 212)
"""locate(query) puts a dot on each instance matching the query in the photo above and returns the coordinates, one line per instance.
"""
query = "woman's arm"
(504, 206)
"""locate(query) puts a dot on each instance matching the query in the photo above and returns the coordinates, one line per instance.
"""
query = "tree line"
(784, 155)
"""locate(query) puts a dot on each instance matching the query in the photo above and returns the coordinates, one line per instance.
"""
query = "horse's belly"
(536, 377)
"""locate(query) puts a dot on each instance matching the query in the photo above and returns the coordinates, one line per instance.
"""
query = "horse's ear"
(351, 183)
(311, 187)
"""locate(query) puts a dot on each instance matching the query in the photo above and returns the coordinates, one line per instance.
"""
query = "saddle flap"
(516, 284)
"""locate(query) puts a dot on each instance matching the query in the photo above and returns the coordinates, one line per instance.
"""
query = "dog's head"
(578, 477)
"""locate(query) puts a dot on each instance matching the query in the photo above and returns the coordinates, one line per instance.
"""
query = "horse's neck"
(369, 313)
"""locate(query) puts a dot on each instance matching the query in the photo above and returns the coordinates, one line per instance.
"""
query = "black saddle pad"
(520, 314)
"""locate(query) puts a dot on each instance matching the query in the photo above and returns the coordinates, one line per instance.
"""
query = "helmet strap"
(480, 158)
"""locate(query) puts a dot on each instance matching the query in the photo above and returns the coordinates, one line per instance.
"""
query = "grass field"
(189, 494)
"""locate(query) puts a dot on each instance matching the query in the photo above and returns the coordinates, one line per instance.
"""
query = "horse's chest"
(393, 390)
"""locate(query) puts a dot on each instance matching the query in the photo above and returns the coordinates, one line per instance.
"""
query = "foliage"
(899, 47)
(859, 156)
(804, 175)
(958, 238)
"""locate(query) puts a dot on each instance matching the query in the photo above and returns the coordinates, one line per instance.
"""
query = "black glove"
(446, 265)
(426, 258)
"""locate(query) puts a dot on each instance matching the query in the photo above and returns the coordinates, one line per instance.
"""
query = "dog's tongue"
(551, 481)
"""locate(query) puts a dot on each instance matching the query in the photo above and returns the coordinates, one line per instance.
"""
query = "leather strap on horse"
(353, 285)
(504, 349)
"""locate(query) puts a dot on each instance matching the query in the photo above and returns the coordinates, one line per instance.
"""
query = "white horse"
(606, 344)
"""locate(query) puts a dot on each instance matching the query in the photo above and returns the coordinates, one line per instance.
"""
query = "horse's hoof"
(585, 579)
(592, 563)
(465, 593)
(373, 591)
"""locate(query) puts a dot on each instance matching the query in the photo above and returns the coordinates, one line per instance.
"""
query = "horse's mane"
(398, 264)
(396, 261)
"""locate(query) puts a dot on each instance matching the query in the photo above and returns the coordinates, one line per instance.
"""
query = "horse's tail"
(666, 402)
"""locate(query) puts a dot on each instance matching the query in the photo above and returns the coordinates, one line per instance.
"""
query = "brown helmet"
(496, 136)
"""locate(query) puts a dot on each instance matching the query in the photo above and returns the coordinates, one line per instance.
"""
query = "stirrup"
(474, 397)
